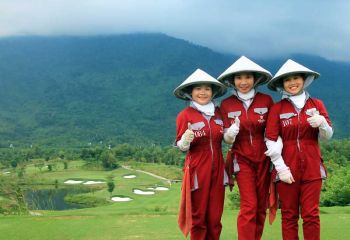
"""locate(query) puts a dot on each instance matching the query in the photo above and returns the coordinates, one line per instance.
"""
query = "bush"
(234, 198)
(336, 189)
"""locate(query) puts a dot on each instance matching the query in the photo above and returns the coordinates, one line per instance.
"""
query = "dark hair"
(189, 88)
(243, 72)
(302, 75)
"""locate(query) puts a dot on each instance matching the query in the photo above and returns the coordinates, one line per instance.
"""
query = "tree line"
(336, 155)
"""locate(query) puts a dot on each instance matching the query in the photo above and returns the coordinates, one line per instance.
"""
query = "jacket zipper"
(250, 132)
(211, 142)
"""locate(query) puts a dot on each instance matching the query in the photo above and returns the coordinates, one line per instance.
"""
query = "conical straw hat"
(290, 67)
(244, 64)
(199, 77)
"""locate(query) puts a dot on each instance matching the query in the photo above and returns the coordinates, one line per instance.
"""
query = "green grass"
(146, 217)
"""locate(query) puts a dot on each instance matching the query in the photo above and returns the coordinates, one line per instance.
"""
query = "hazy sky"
(260, 28)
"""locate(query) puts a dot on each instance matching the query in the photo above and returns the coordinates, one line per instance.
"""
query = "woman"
(199, 131)
(300, 121)
(244, 115)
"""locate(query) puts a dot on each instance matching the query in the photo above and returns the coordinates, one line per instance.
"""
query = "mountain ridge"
(70, 91)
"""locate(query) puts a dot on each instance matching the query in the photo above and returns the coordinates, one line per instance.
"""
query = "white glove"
(320, 121)
(286, 176)
(274, 149)
(232, 131)
(316, 120)
(186, 139)
(278, 163)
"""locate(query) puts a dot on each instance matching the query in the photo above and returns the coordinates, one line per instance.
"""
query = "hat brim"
(260, 77)
(277, 82)
(218, 89)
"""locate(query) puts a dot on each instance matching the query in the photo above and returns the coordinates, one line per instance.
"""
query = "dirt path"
(148, 173)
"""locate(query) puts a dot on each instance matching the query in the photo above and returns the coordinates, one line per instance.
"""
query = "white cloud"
(254, 28)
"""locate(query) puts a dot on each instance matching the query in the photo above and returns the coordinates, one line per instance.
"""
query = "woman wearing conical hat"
(245, 114)
(298, 169)
(199, 131)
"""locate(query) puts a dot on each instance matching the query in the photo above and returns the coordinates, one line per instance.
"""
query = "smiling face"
(244, 82)
(202, 94)
(293, 84)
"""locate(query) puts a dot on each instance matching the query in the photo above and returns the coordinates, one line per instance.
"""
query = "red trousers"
(207, 205)
(253, 181)
(304, 198)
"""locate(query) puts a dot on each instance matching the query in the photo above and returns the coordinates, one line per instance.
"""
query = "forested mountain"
(70, 91)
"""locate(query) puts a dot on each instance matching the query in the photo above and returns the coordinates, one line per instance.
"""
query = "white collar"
(246, 96)
(208, 109)
(298, 100)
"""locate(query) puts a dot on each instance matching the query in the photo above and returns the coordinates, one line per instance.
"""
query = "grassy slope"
(147, 217)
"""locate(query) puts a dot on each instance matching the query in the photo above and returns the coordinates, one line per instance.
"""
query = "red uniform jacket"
(301, 152)
(205, 150)
(249, 142)
(203, 157)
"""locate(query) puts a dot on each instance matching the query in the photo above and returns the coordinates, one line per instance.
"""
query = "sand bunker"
(93, 182)
(140, 192)
(129, 176)
(158, 188)
(73, 182)
(121, 199)
(5, 173)
(35, 213)
(161, 189)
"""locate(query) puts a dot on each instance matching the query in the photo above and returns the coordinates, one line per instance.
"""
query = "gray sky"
(260, 28)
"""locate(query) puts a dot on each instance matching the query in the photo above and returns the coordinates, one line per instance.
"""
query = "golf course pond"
(51, 199)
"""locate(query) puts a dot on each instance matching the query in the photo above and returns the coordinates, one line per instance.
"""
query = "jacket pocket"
(234, 114)
(197, 125)
(287, 115)
(219, 122)
(261, 111)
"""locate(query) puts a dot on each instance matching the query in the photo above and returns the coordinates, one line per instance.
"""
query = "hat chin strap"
(256, 82)
(187, 95)
(229, 84)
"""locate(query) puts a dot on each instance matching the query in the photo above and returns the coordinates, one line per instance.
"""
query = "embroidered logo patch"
(261, 120)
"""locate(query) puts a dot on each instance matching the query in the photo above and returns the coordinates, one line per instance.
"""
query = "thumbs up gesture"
(316, 120)
(188, 135)
(233, 130)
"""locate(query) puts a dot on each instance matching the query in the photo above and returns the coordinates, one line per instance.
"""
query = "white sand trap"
(129, 176)
(121, 199)
(6, 173)
(158, 188)
(93, 182)
(161, 189)
(73, 182)
(140, 192)
(35, 213)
